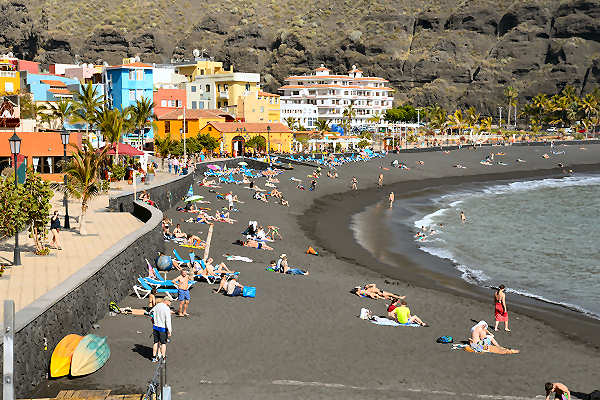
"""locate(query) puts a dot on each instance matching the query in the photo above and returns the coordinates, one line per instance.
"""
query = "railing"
(8, 74)
(157, 387)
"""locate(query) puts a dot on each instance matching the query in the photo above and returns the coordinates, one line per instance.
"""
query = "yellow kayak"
(90, 355)
(60, 363)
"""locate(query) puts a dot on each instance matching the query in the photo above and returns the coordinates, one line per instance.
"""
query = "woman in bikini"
(500, 311)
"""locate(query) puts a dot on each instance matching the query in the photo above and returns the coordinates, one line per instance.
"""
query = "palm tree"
(140, 115)
(83, 172)
(348, 115)
(511, 95)
(322, 125)
(436, 117)
(87, 103)
(164, 147)
(291, 122)
(62, 111)
(457, 119)
(112, 124)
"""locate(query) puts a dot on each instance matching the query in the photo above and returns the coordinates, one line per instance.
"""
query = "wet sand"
(300, 337)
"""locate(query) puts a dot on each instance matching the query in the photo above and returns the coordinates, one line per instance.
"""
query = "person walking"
(354, 183)
(500, 311)
(161, 328)
(380, 181)
(55, 229)
(391, 199)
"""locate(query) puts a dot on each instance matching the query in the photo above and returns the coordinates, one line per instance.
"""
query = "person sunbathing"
(282, 266)
(203, 218)
(260, 196)
(361, 292)
(284, 202)
(372, 288)
(167, 233)
(545, 155)
(223, 217)
(218, 269)
(254, 244)
(178, 233)
(207, 182)
(276, 193)
(482, 340)
(194, 241)
(230, 286)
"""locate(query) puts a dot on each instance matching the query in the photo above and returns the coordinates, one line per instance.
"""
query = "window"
(218, 87)
(171, 103)
(225, 86)
(187, 126)
(193, 88)
(207, 88)
(163, 103)
(167, 126)
(262, 109)
(201, 105)
(247, 87)
(201, 72)
(210, 128)
(139, 94)
(132, 95)
(193, 104)
(139, 74)
(132, 75)
(9, 87)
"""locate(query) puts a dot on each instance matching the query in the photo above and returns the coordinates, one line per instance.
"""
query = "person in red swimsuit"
(500, 311)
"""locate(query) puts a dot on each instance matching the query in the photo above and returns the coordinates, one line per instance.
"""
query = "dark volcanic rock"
(17, 33)
(146, 45)
(106, 45)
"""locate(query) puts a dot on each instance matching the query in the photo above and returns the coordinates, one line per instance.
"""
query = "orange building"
(42, 150)
(234, 135)
(171, 122)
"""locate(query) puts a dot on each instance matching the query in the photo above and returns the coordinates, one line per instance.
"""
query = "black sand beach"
(301, 338)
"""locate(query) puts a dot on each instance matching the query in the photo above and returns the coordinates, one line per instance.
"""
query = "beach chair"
(143, 290)
(178, 257)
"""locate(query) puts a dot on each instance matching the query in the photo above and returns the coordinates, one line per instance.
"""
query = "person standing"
(463, 217)
(161, 328)
(182, 284)
(170, 163)
(229, 198)
(55, 229)
(380, 180)
(391, 199)
(354, 183)
(500, 311)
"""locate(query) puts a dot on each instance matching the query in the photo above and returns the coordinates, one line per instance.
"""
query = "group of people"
(397, 310)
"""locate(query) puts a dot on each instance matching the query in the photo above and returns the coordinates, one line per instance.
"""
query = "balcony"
(224, 94)
(8, 74)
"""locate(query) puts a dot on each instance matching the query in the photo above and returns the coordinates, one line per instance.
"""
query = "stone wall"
(76, 304)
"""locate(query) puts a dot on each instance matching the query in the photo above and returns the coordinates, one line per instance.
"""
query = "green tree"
(61, 111)
(208, 142)
(403, 113)
(348, 115)
(164, 146)
(322, 125)
(458, 120)
(36, 195)
(88, 103)
(291, 122)
(112, 124)
(83, 171)
(141, 116)
(257, 142)
(363, 143)
(436, 117)
(511, 94)
(11, 217)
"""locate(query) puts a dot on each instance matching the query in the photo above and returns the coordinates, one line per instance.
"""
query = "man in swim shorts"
(183, 292)
(560, 391)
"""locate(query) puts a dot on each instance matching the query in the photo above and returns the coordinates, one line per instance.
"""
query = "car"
(552, 129)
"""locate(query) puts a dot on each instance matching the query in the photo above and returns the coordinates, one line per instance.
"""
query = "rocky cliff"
(451, 52)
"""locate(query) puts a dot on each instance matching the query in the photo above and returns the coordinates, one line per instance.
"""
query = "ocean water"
(539, 238)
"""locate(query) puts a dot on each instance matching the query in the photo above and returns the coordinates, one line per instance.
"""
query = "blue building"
(46, 87)
(127, 83)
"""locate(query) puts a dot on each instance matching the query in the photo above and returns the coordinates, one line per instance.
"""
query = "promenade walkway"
(39, 274)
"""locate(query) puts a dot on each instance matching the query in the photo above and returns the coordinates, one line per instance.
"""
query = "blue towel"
(389, 322)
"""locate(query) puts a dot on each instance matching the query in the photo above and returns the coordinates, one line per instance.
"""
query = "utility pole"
(500, 120)
(184, 132)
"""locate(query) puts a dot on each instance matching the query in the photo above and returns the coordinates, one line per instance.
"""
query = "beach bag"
(365, 313)
(249, 291)
(445, 339)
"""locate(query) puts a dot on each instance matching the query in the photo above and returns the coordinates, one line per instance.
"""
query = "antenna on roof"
(196, 53)
(10, 54)
(136, 59)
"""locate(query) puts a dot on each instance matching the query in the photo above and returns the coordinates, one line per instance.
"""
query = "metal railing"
(157, 387)
(8, 74)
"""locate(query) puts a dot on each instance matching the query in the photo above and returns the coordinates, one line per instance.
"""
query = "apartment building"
(322, 95)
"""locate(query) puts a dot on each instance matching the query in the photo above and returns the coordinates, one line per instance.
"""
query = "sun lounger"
(143, 290)
(178, 257)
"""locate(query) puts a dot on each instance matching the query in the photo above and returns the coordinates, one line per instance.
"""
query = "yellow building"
(234, 135)
(10, 80)
(259, 107)
(172, 122)
(210, 86)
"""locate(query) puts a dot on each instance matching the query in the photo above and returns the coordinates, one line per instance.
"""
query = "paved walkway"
(39, 274)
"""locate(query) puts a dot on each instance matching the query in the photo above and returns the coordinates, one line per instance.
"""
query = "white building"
(329, 95)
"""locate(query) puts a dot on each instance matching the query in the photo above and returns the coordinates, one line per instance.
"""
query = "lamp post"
(269, 143)
(15, 149)
(64, 138)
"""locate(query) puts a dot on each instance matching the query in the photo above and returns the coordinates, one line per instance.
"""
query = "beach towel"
(312, 251)
(237, 258)
(389, 322)
(201, 247)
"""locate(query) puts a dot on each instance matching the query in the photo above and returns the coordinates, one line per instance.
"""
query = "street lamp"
(64, 138)
(15, 149)
(269, 143)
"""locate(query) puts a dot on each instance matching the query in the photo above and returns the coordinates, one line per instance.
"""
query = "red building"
(29, 66)
(166, 100)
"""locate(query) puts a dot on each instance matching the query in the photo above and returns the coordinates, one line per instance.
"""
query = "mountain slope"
(451, 52)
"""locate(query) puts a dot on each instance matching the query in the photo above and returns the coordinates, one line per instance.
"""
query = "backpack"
(114, 307)
(445, 339)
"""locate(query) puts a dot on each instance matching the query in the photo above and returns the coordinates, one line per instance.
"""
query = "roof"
(322, 69)
(53, 82)
(60, 91)
(334, 86)
(190, 114)
(251, 127)
(124, 149)
(34, 144)
(131, 65)
(266, 94)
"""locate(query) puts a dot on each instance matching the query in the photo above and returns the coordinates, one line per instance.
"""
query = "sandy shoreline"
(415, 266)
(300, 337)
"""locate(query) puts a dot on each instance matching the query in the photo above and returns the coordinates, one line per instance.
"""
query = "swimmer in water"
(463, 218)
(391, 199)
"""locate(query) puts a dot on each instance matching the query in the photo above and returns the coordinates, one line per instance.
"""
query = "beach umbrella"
(213, 167)
(90, 355)
(242, 163)
(60, 362)
(193, 198)
(190, 191)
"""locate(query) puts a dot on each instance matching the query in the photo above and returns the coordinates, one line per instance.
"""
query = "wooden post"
(208, 238)
(8, 391)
